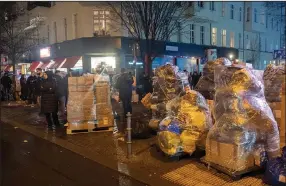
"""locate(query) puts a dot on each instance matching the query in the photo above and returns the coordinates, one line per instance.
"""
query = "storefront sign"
(279, 54)
(211, 54)
(45, 52)
(172, 48)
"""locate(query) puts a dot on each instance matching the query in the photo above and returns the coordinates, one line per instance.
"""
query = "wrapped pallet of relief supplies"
(243, 120)
(206, 83)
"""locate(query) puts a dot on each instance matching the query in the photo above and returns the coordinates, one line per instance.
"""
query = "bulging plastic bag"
(185, 129)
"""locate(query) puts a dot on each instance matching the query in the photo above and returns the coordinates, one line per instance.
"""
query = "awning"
(44, 64)
(7, 68)
(57, 63)
(34, 65)
(70, 62)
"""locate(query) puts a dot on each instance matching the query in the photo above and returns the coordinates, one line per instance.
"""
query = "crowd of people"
(49, 90)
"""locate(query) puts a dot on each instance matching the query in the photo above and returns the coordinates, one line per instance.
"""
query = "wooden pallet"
(77, 131)
(234, 175)
(86, 128)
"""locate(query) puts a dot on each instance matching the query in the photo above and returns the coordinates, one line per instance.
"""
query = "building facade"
(238, 30)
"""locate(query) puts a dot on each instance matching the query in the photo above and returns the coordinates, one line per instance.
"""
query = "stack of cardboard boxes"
(104, 112)
(81, 109)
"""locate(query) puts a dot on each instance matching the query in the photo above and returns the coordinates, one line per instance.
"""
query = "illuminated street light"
(230, 56)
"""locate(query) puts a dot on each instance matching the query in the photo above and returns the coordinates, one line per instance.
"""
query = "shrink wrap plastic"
(206, 83)
(273, 77)
(186, 126)
(168, 83)
(243, 120)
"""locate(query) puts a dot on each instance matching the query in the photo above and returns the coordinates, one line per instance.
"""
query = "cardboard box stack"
(135, 97)
(230, 156)
(80, 108)
(104, 112)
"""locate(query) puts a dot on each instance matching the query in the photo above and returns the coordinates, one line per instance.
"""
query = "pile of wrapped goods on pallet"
(181, 115)
(81, 110)
(245, 128)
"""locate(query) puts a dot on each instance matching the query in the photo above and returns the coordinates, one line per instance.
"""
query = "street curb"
(133, 173)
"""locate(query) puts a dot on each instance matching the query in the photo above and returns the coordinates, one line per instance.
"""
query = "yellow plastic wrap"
(243, 119)
(186, 127)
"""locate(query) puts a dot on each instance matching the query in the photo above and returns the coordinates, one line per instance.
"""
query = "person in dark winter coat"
(61, 92)
(7, 84)
(49, 101)
(195, 79)
(32, 84)
(24, 87)
(124, 85)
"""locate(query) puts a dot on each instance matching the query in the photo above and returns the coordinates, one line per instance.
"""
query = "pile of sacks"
(206, 85)
(273, 77)
(186, 127)
(243, 120)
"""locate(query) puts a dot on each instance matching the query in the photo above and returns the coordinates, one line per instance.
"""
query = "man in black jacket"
(61, 93)
(7, 84)
(124, 85)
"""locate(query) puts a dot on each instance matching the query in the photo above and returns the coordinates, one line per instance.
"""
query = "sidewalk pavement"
(147, 164)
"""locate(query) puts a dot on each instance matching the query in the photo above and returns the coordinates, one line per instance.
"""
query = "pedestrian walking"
(7, 84)
(24, 87)
(124, 85)
(49, 101)
(61, 92)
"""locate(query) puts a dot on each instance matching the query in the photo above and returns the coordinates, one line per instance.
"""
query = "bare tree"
(254, 52)
(277, 9)
(18, 34)
(150, 21)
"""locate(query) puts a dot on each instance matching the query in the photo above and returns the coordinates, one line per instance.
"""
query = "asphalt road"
(27, 160)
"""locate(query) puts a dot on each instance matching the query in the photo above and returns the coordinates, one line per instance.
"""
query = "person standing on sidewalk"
(61, 93)
(49, 101)
(24, 88)
(7, 84)
(39, 73)
(124, 85)
(32, 83)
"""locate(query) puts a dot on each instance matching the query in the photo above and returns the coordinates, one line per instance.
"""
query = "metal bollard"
(129, 140)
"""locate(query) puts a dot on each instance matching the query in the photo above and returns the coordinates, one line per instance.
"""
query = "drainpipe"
(243, 25)
(210, 34)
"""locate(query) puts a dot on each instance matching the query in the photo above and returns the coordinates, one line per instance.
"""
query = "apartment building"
(238, 30)
(246, 26)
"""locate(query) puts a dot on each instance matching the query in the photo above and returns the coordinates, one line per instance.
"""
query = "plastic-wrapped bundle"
(242, 120)
(168, 83)
(273, 78)
(186, 127)
(206, 83)
(275, 173)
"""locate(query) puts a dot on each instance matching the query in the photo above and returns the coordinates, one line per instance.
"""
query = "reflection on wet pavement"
(146, 162)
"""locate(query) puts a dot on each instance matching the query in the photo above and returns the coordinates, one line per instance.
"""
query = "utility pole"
(243, 25)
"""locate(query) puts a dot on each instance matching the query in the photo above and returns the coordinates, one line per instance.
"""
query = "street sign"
(279, 54)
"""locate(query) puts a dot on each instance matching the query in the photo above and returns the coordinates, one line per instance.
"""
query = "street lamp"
(230, 56)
